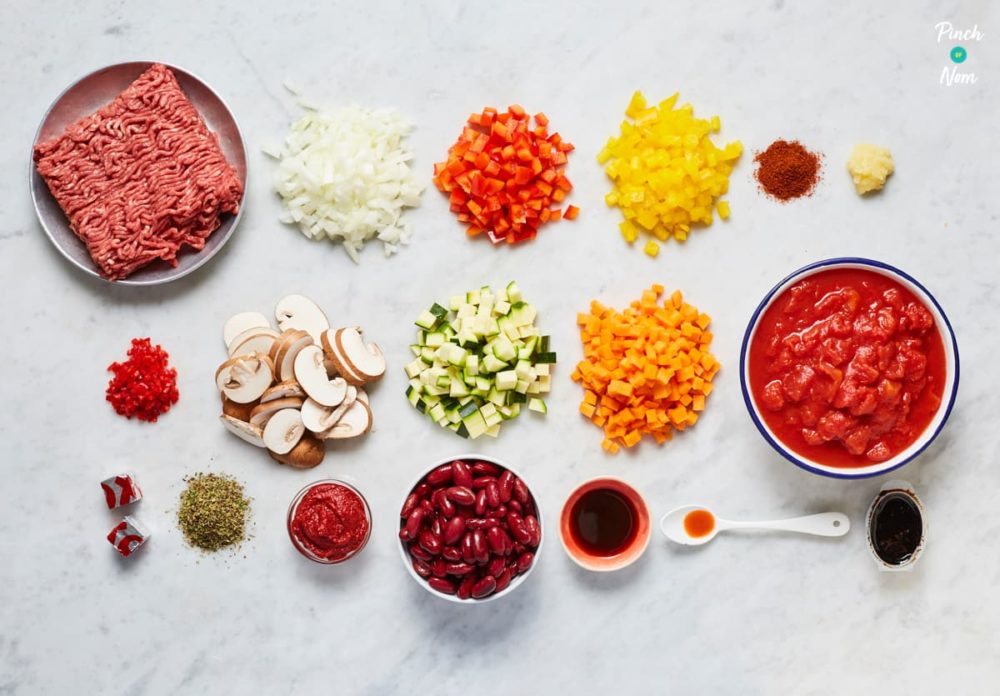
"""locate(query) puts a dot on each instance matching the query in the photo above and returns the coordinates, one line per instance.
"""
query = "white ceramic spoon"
(828, 524)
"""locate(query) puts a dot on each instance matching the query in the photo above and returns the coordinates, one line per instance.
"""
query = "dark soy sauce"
(896, 528)
(603, 522)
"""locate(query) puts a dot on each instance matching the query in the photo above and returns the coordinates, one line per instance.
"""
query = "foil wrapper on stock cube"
(128, 535)
(121, 490)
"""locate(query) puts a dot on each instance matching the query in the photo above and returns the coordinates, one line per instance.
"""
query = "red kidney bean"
(440, 476)
(482, 481)
(514, 506)
(412, 500)
(413, 522)
(461, 495)
(421, 567)
(481, 503)
(503, 579)
(451, 553)
(453, 530)
(403, 534)
(418, 552)
(465, 588)
(521, 491)
(506, 483)
(524, 561)
(492, 494)
(531, 522)
(500, 511)
(430, 542)
(442, 503)
(468, 552)
(480, 547)
(459, 568)
(439, 567)
(518, 529)
(495, 566)
(443, 585)
(422, 490)
(486, 468)
(495, 536)
(517, 549)
(426, 505)
(461, 474)
(485, 587)
(436, 528)
(481, 522)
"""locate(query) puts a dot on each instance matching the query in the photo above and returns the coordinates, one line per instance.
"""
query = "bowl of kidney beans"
(469, 529)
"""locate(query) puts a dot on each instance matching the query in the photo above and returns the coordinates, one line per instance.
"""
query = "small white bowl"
(948, 394)
(404, 554)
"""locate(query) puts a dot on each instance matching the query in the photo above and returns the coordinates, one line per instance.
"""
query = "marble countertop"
(746, 615)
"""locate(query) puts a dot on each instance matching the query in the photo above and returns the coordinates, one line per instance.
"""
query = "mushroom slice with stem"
(283, 430)
(362, 359)
(334, 361)
(283, 390)
(238, 323)
(356, 421)
(262, 412)
(311, 374)
(318, 418)
(298, 312)
(305, 455)
(286, 348)
(243, 430)
(245, 378)
(259, 340)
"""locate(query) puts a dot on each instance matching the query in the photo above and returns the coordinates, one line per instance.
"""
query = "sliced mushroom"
(334, 363)
(319, 418)
(357, 421)
(263, 412)
(286, 348)
(243, 430)
(283, 390)
(259, 340)
(283, 431)
(364, 359)
(298, 312)
(311, 374)
(245, 378)
(363, 396)
(238, 323)
(305, 455)
(237, 411)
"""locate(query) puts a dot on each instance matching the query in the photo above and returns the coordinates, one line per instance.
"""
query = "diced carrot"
(646, 370)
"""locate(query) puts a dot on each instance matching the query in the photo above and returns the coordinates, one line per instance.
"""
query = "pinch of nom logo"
(958, 41)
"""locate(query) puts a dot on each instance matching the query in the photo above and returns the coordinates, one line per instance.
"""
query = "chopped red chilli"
(144, 386)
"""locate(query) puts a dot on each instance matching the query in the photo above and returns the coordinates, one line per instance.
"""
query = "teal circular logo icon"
(958, 54)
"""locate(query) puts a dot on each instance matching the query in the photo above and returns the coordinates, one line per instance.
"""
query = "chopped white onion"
(344, 175)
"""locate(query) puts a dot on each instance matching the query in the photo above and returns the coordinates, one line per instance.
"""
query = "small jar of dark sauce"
(896, 526)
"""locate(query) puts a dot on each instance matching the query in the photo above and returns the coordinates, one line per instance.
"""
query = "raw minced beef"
(140, 178)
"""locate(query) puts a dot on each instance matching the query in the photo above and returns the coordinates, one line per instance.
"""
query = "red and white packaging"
(121, 490)
(128, 535)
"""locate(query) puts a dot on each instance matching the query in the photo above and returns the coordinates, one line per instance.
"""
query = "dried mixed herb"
(213, 511)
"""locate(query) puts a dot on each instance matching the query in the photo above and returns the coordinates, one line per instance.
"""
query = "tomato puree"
(847, 367)
(330, 521)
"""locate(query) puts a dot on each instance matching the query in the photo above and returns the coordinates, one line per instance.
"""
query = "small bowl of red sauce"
(849, 368)
(604, 525)
(329, 521)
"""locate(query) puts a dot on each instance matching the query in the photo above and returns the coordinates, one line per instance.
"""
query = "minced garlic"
(869, 165)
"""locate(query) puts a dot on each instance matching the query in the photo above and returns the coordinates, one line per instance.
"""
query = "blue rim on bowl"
(951, 361)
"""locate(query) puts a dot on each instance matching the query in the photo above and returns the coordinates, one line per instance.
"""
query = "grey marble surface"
(746, 615)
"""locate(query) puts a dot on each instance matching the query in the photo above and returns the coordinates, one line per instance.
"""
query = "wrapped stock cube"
(127, 536)
(121, 490)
